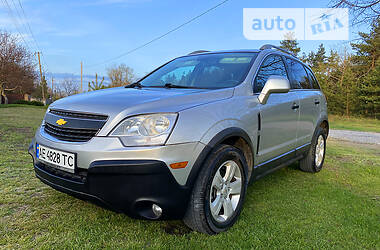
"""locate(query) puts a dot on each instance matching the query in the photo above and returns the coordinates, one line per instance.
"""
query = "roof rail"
(198, 52)
(270, 46)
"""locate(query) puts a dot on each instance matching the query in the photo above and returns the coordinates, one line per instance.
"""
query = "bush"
(21, 102)
(35, 103)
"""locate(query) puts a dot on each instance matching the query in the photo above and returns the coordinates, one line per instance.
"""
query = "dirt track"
(355, 136)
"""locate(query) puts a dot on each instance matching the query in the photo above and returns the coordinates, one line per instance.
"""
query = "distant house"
(14, 97)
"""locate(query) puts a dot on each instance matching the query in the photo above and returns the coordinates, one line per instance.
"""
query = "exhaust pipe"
(157, 210)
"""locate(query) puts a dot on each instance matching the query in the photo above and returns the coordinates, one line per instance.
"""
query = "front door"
(279, 116)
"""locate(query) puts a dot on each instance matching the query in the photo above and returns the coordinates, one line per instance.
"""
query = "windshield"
(209, 71)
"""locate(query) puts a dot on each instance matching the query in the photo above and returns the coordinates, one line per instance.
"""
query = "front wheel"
(219, 191)
(313, 161)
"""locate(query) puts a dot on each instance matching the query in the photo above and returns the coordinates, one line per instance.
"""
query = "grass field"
(336, 208)
(354, 123)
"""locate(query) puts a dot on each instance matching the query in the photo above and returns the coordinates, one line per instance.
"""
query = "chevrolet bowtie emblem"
(61, 122)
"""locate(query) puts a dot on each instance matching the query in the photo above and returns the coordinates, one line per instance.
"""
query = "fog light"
(157, 210)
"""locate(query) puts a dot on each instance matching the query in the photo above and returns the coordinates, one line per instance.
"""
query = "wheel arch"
(324, 124)
(234, 136)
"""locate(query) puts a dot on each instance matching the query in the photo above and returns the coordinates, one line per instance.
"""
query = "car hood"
(120, 102)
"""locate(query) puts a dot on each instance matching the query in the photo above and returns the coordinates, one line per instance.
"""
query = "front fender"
(202, 123)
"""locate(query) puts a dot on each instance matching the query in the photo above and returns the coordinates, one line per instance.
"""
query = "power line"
(28, 28)
(14, 13)
(20, 18)
(161, 36)
(5, 3)
(27, 22)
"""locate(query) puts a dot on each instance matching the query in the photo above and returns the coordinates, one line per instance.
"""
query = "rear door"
(309, 101)
(279, 116)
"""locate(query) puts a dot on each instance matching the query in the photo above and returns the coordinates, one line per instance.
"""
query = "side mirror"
(274, 84)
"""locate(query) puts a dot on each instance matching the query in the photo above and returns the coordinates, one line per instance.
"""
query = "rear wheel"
(313, 161)
(219, 191)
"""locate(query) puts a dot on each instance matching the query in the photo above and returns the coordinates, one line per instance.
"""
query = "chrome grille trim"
(73, 114)
(79, 127)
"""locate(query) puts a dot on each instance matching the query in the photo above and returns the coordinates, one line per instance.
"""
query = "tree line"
(350, 80)
(17, 67)
(18, 75)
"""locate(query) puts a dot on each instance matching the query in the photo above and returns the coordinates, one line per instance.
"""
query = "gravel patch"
(355, 136)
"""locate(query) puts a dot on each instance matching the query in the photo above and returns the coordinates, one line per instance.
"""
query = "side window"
(272, 65)
(301, 79)
(312, 78)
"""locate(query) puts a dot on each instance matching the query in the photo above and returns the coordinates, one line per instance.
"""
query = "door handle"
(295, 106)
(316, 101)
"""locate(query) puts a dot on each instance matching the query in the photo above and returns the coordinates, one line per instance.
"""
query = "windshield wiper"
(134, 85)
(174, 86)
(170, 85)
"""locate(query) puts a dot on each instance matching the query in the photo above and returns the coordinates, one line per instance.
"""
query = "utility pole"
(42, 86)
(81, 77)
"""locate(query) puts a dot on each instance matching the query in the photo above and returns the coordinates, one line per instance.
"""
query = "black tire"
(198, 215)
(308, 164)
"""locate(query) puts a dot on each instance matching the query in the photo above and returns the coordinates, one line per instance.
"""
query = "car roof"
(200, 52)
(265, 51)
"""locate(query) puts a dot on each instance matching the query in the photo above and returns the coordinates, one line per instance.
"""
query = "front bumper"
(111, 148)
(128, 180)
(130, 187)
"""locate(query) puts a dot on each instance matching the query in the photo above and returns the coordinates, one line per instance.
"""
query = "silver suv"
(185, 140)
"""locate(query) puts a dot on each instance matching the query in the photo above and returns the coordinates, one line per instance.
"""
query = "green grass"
(336, 208)
(354, 123)
(20, 106)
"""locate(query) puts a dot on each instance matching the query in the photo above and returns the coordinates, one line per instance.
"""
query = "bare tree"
(68, 87)
(120, 75)
(17, 68)
(364, 11)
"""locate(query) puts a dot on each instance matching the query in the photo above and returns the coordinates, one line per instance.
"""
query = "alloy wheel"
(319, 151)
(225, 191)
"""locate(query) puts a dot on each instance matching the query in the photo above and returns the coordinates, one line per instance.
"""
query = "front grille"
(67, 134)
(78, 115)
(78, 127)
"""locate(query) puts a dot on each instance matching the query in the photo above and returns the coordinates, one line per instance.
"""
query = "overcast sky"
(93, 31)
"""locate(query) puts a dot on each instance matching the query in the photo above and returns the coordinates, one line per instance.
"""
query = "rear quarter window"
(313, 80)
(300, 77)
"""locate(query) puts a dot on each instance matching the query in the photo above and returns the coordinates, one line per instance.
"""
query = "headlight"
(145, 130)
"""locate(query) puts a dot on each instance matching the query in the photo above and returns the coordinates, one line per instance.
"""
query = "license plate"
(57, 158)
